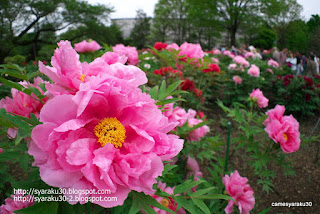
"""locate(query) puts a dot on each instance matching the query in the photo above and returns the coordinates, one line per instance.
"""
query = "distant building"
(125, 24)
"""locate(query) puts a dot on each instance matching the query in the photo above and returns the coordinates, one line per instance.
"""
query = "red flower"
(201, 114)
(287, 79)
(187, 85)
(212, 68)
(198, 92)
(159, 46)
(308, 81)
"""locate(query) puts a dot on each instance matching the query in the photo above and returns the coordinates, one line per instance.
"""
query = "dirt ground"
(302, 187)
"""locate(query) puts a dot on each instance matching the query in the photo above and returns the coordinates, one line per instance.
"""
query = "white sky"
(128, 8)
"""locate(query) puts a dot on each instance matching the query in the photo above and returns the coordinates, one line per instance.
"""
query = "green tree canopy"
(29, 22)
(141, 30)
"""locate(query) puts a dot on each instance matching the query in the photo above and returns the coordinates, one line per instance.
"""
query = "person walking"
(275, 54)
(311, 66)
(299, 64)
(283, 56)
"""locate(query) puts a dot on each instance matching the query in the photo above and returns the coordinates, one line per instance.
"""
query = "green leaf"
(154, 92)
(185, 204)
(186, 186)
(40, 208)
(146, 200)
(135, 208)
(202, 192)
(162, 94)
(14, 73)
(201, 205)
(65, 208)
(33, 74)
(215, 196)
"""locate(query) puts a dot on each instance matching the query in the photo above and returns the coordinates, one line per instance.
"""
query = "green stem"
(228, 148)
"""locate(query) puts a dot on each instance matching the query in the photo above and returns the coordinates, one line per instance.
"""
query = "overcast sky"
(128, 8)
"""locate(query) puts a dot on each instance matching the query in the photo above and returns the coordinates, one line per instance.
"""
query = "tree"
(28, 22)
(313, 23)
(203, 18)
(265, 38)
(233, 12)
(170, 20)
(278, 14)
(141, 29)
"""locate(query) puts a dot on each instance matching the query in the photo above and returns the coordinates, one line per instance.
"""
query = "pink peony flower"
(68, 73)
(240, 191)
(193, 170)
(216, 51)
(258, 97)
(85, 46)
(112, 58)
(173, 46)
(215, 60)
(197, 134)
(273, 63)
(254, 71)
(1, 150)
(270, 70)
(21, 103)
(232, 66)
(241, 60)
(16, 202)
(191, 51)
(283, 129)
(109, 135)
(130, 52)
(249, 55)
(237, 80)
(180, 115)
(169, 203)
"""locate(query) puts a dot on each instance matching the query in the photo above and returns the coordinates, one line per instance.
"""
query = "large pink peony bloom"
(169, 203)
(68, 73)
(21, 103)
(254, 71)
(109, 135)
(237, 80)
(240, 191)
(130, 52)
(85, 46)
(16, 202)
(283, 129)
(257, 96)
(193, 51)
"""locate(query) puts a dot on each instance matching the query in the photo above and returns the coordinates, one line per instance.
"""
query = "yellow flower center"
(164, 202)
(285, 136)
(110, 130)
(82, 77)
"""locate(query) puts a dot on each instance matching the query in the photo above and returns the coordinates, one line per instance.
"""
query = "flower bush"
(96, 121)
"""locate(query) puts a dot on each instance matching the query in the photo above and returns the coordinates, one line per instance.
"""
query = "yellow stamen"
(285, 136)
(110, 130)
(25, 105)
(164, 202)
(82, 77)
